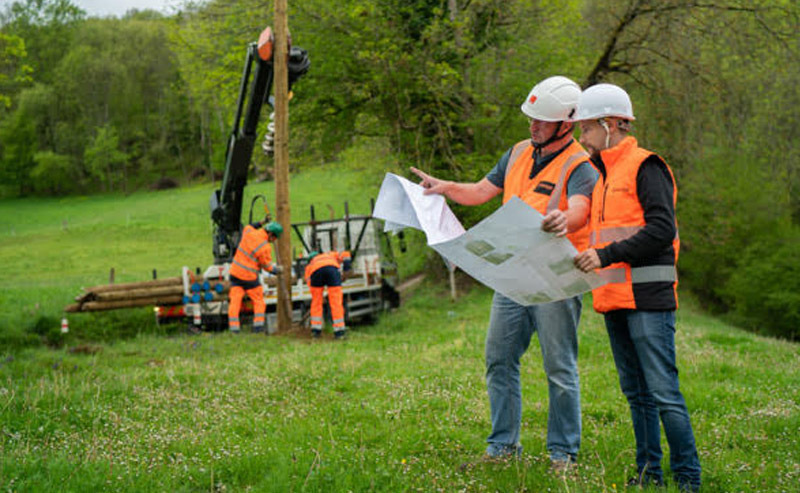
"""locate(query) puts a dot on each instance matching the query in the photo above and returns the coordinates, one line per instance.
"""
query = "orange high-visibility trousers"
(256, 294)
(335, 300)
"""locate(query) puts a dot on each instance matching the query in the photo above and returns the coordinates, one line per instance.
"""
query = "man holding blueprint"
(551, 173)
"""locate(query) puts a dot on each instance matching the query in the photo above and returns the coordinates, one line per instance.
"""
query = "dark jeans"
(643, 343)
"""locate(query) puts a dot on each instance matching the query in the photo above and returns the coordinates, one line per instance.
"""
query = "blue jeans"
(643, 344)
(511, 326)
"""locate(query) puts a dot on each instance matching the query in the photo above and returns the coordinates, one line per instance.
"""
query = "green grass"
(53, 241)
(400, 406)
(126, 405)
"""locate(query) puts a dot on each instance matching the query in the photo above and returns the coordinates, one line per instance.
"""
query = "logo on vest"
(545, 187)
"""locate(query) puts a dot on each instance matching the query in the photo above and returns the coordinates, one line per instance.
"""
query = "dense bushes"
(764, 289)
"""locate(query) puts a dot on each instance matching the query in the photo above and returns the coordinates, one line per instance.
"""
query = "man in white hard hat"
(550, 171)
(634, 240)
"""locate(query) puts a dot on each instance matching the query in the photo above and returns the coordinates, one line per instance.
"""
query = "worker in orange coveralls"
(323, 270)
(253, 254)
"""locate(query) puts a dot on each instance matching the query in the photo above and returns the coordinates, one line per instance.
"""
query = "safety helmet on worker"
(275, 228)
(602, 101)
(552, 100)
(312, 254)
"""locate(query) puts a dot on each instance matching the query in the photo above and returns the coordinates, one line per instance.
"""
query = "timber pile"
(167, 291)
(159, 292)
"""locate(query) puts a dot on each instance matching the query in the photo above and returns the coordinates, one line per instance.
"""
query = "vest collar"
(539, 162)
(613, 154)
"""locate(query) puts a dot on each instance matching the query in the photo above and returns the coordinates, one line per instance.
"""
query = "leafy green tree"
(46, 26)
(121, 74)
(53, 173)
(105, 161)
(14, 72)
(405, 63)
(18, 137)
(24, 132)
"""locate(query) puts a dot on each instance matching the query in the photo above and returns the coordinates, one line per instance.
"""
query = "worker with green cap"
(253, 254)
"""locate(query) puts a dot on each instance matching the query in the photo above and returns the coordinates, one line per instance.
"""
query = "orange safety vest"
(320, 260)
(253, 254)
(617, 215)
(548, 189)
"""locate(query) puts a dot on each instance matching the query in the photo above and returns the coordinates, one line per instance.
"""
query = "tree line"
(105, 104)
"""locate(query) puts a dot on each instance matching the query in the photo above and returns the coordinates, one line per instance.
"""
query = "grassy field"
(400, 406)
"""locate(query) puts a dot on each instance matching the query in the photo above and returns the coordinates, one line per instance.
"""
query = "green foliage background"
(92, 105)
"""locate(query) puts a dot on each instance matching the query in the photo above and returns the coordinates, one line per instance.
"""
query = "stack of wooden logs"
(159, 292)
(168, 291)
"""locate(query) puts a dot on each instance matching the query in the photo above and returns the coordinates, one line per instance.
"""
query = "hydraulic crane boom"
(256, 84)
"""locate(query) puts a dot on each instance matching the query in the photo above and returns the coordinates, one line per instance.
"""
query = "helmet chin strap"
(537, 147)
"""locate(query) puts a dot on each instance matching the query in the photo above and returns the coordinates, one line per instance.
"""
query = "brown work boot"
(563, 467)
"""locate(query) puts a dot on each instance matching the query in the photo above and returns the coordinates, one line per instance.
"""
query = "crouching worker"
(323, 270)
(253, 254)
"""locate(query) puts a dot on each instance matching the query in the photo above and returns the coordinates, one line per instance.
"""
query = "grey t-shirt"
(580, 182)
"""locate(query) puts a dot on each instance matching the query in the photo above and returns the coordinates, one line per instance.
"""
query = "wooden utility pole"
(280, 61)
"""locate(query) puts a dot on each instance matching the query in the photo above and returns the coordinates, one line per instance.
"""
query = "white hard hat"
(602, 100)
(552, 100)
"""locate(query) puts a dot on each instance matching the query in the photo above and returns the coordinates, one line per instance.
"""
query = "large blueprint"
(507, 251)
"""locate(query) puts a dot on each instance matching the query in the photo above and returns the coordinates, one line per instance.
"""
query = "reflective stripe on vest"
(555, 197)
(247, 254)
(619, 233)
(255, 271)
(516, 152)
(650, 273)
(654, 273)
(256, 249)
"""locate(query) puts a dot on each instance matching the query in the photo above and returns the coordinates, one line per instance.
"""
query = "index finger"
(419, 173)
